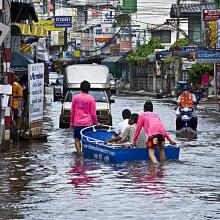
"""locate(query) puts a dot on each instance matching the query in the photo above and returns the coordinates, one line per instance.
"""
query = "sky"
(154, 11)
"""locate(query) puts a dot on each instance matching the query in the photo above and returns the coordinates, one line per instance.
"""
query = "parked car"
(58, 88)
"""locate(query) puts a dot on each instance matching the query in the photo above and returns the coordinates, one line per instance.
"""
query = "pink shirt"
(151, 124)
(83, 112)
(205, 79)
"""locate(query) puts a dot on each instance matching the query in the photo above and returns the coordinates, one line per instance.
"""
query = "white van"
(99, 78)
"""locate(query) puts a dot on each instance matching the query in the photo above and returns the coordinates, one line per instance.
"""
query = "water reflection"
(79, 174)
(148, 178)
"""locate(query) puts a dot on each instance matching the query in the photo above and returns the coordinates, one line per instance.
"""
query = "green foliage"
(140, 56)
(183, 42)
(195, 73)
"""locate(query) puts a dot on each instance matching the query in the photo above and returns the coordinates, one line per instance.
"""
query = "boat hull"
(93, 147)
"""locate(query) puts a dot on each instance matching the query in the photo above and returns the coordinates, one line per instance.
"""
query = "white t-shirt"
(120, 127)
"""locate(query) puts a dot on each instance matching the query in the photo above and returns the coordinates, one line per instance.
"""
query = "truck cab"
(99, 78)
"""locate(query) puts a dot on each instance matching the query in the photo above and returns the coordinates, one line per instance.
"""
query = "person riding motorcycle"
(187, 99)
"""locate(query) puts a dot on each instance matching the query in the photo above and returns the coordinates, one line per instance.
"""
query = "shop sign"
(6, 89)
(188, 65)
(77, 53)
(125, 46)
(4, 29)
(36, 91)
(208, 56)
(48, 25)
(62, 21)
(87, 42)
(108, 16)
(211, 15)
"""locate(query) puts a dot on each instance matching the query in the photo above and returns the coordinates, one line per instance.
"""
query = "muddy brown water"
(48, 181)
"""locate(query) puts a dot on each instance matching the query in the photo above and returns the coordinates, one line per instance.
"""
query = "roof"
(20, 61)
(112, 59)
(22, 10)
(188, 10)
(97, 75)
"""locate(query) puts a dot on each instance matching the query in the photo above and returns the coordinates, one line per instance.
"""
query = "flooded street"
(48, 181)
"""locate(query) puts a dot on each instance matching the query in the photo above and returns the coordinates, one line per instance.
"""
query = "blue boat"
(93, 146)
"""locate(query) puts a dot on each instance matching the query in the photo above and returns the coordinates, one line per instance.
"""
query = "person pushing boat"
(155, 131)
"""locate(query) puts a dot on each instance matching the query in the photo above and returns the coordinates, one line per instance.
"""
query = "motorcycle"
(184, 122)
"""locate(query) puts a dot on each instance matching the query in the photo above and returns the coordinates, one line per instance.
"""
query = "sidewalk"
(211, 104)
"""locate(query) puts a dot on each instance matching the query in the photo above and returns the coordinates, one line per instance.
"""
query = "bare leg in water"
(151, 152)
(78, 146)
(162, 154)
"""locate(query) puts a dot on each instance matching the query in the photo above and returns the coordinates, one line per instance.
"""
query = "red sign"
(125, 46)
(211, 15)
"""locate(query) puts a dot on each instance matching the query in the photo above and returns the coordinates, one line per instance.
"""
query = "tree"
(195, 74)
(141, 54)
(182, 42)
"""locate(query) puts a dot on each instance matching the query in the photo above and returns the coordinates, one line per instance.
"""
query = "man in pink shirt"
(83, 113)
(154, 130)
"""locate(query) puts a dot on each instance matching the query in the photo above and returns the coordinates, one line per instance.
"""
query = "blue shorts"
(76, 131)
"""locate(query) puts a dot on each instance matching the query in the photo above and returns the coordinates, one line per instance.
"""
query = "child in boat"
(121, 126)
(154, 130)
(128, 134)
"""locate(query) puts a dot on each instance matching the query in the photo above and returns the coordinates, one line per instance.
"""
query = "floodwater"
(48, 181)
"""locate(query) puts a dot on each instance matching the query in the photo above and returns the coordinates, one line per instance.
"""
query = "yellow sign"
(77, 53)
(213, 33)
(27, 30)
(48, 25)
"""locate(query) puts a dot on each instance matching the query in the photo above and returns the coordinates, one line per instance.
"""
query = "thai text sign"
(62, 21)
(48, 25)
(36, 90)
(208, 56)
(211, 15)
(87, 42)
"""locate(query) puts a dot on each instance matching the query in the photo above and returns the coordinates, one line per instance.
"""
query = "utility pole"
(177, 60)
(7, 75)
(178, 23)
(216, 5)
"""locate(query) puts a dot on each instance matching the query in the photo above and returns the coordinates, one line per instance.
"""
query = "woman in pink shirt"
(83, 113)
(154, 130)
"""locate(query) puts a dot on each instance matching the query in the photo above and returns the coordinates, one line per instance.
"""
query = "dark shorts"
(15, 113)
(156, 140)
(76, 131)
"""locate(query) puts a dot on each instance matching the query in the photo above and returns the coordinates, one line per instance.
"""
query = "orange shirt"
(16, 92)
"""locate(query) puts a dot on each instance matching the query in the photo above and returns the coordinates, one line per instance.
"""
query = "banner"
(218, 34)
(36, 91)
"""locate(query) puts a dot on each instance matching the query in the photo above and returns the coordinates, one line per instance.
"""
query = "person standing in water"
(155, 131)
(83, 113)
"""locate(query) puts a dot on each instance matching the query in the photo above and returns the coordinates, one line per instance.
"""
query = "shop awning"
(112, 59)
(33, 30)
(20, 61)
(22, 10)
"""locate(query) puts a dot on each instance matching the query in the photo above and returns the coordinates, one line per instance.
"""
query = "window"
(99, 95)
(165, 36)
